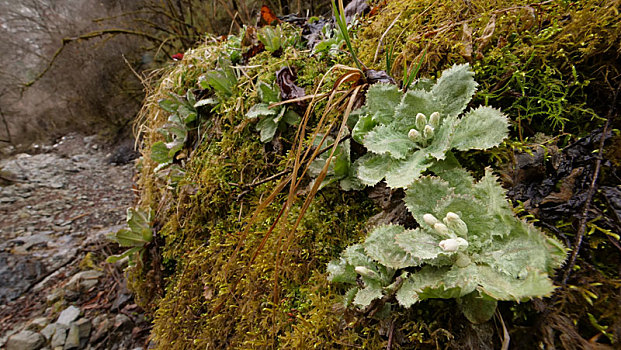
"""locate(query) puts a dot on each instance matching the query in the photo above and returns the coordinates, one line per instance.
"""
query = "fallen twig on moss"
(583, 218)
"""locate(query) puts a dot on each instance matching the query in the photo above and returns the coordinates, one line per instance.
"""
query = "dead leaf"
(486, 36)
(267, 17)
(285, 78)
(466, 40)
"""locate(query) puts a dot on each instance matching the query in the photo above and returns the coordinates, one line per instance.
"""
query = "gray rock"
(37, 324)
(54, 296)
(59, 337)
(25, 340)
(101, 329)
(68, 315)
(84, 327)
(48, 331)
(73, 338)
(84, 280)
(122, 322)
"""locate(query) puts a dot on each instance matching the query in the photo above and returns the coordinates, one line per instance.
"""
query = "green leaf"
(481, 128)
(382, 247)
(472, 211)
(363, 126)
(372, 168)
(129, 238)
(455, 89)
(114, 258)
(365, 296)
(403, 172)
(260, 109)
(206, 102)
(187, 114)
(267, 94)
(477, 308)
(168, 105)
(159, 153)
(268, 128)
(339, 271)
(382, 99)
(501, 286)
(189, 96)
(441, 142)
(420, 245)
(412, 103)
(291, 117)
(424, 194)
(384, 139)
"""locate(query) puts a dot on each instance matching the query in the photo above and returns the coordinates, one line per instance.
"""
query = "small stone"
(73, 338)
(84, 280)
(84, 327)
(58, 339)
(103, 327)
(25, 340)
(48, 331)
(68, 315)
(37, 324)
(122, 322)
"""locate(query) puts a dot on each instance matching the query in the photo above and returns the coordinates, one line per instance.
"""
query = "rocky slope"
(56, 291)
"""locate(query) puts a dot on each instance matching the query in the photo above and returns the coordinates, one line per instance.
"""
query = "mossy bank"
(238, 259)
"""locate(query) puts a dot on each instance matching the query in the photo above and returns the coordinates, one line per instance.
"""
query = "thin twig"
(589, 197)
(381, 40)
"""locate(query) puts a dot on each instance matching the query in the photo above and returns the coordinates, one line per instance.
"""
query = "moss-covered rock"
(231, 268)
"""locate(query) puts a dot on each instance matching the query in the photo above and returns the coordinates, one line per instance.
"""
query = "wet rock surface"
(56, 291)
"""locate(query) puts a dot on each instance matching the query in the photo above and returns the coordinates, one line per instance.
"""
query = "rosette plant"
(469, 246)
(271, 119)
(405, 133)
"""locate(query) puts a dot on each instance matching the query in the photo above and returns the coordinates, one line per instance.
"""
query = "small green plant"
(339, 15)
(183, 114)
(405, 133)
(272, 38)
(136, 236)
(222, 80)
(469, 246)
(332, 41)
(339, 170)
(272, 119)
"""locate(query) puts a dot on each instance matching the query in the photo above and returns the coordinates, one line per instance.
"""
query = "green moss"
(545, 66)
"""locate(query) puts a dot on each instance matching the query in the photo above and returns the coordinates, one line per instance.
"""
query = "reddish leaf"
(177, 56)
(268, 17)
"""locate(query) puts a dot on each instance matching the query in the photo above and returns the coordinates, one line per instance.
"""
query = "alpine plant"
(405, 133)
(469, 246)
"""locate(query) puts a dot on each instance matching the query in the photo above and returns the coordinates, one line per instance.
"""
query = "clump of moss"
(545, 64)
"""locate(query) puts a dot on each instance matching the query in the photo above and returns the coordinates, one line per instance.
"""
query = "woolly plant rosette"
(469, 246)
(406, 132)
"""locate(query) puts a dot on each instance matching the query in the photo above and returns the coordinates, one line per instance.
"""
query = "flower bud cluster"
(451, 226)
(425, 128)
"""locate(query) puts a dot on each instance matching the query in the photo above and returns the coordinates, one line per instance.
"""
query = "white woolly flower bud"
(414, 135)
(453, 244)
(455, 223)
(428, 132)
(366, 272)
(434, 119)
(421, 121)
(441, 229)
(430, 219)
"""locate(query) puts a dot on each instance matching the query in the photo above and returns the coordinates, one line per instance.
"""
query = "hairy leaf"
(482, 128)
(382, 247)
(455, 89)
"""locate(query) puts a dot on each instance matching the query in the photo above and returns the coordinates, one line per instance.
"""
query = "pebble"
(68, 315)
(25, 340)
